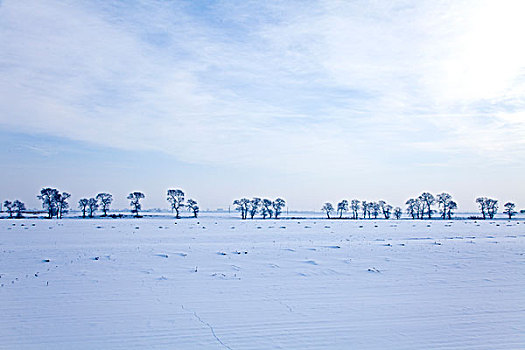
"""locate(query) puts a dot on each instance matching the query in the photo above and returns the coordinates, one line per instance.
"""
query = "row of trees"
(367, 209)
(417, 208)
(14, 207)
(264, 207)
(91, 205)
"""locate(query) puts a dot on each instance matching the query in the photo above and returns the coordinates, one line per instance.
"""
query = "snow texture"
(212, 283)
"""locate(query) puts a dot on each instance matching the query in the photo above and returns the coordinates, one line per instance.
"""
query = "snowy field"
(213, 283)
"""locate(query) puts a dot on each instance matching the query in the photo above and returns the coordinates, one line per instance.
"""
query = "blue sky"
(312, 101)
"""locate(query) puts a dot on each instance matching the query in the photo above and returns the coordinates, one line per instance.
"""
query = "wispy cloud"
(298, 86)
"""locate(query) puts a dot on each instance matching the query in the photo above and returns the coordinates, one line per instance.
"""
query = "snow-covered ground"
(215, 283)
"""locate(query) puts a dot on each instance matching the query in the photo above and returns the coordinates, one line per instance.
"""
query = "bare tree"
(176, 199)
(443, 200)
(398, 212)
(365, 209)
(354, 205)
(19, 207)
(492, 207)
(342, 207)
(82, 205)
(451, 206)
(374, 207)
(49, 196)
(9, 207)
(488, 206)
(427, 200)
(105, 200)
(411, 208)
(266, 208)
(135, 198)
(62, 204)
(192, 206)
(92, 206)
(254, 207)
(278, 206)
(328, 208)
(509, 209)
(242, 206)
(386, 209)
(482, 203)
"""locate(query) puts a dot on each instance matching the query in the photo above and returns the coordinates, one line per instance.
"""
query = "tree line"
(55, 203)
(420, 207)
(265, 207)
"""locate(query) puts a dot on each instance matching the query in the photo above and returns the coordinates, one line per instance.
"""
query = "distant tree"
(82, 205)
(487, 206)
(135, 198)
(386, 209)
(354, 205)
(176, 199)
(255, 205)
(19, 207)
(192, 206)
(49, 196)
(278, 206)
(509, 209)
(242, 206)
(427, 200)
(443, 200)
(365, 209)
(266, 208)
(374, 208)
(492, 207)
(9, 208)
(398, 212)
(328, 208)
(62, 204)
(342, 207)
(411, 208)
(92, 206)
(451, 206)
(482, 203)
(105, 200)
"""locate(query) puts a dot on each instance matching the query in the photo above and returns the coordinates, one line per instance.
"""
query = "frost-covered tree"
(398, 212)
(509, 209)
(443, 200)
(365, 209)
(451, 206)
(176, 199)
(192, 206)
(266, 208)
(328, 208)
(342, 207)
(482, 203)
(492, 207)
(411, 208)
(487, 206)
(9, 208)
(82, 205)
(62, 204)
(105, 200)
(386, 209)
(427, 199)
(242, 206)
(92, 206)
(254, 206)
(49, 197)
(19, 207)
(354, 205)
(134, 198)
(278, 206)
(374, 208)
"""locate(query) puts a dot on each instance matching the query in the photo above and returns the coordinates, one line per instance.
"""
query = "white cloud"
(300, 87)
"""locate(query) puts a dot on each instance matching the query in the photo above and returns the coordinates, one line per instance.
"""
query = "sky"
(312, 101)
